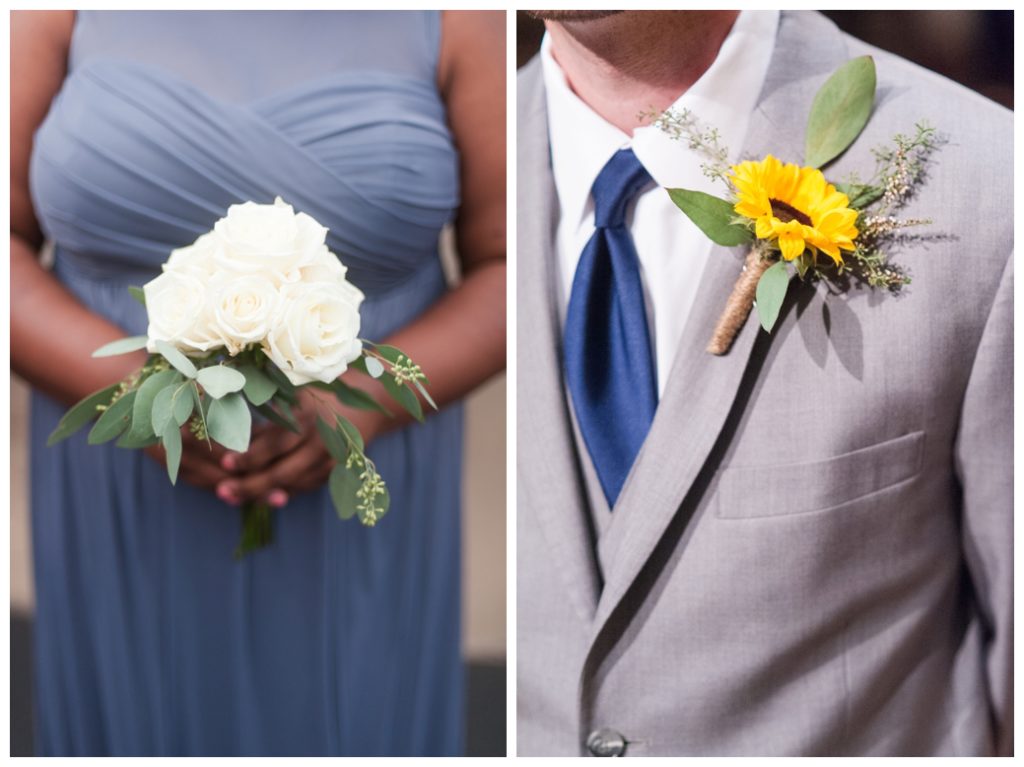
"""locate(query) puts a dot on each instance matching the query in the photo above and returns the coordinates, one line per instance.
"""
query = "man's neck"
(634, 62)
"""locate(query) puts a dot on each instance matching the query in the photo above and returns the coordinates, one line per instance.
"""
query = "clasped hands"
(279, 462)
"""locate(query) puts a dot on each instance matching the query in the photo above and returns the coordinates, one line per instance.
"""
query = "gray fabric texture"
(813, 552)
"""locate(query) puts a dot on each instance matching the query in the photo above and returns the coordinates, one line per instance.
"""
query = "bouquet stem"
(257, 528)
(740, 302)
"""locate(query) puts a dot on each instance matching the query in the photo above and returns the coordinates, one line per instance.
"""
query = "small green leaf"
(282, 416)
(390, 353)
(840, 111)
(771, 291)
(426, 395)
(861, 195)
(163, 408)
(333, 441)
(343, 484)
(121, 346)
(183, 403)
(712, 215)
(229, 422)
(353, 433)
(403, 396)
(81, 414)
(137, 293)
(374, 367)
(115, 419)
(219, 380)
(259, 387)
(142, 412)
(171, 438)
(285, 388)
(131, 442)
(177, 359)
(357, 398)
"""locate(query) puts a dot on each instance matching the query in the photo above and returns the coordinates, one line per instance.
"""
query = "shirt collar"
(723, 98)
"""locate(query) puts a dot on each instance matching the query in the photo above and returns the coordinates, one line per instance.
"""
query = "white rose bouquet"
(239, 321)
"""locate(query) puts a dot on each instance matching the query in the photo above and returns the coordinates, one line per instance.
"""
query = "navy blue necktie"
(608, 362)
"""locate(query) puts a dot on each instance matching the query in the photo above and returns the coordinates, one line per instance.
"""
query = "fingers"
(305, 468)
(267, 446)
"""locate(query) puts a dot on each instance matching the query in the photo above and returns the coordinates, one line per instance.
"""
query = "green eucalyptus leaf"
(426, 395)
(259, 387)
(229, 422)
(142, 410)
(178, 360)
(771, 291)
(163, 408)
(343, 485)
(182, 404)
(353, 433)
(840, 111)
(81, 414)
(403, 396)
(333, 441)
(357, 398)
(390, 353)
(861, 195)
(115, 419)
(712, 215)
(219, 380)
(137, 293)
(121, 346)
(282, 415)
(171, 438)
(285, 388)
(131, 441)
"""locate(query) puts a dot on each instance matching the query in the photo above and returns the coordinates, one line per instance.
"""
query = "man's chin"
(571, 15)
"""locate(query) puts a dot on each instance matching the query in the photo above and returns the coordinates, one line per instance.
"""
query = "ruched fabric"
(150, 637)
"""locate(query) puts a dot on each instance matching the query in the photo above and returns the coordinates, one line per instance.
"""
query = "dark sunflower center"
(786, 212)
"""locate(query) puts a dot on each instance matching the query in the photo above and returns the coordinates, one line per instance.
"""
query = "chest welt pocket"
(750, 492)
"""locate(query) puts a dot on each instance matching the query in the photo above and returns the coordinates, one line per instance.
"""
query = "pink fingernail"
(227, 494)
(277, 498)
(229, 462)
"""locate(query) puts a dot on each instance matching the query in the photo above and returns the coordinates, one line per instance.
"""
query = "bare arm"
(460, 341)
(52, 334)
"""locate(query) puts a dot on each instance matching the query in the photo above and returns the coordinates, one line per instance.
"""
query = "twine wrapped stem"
(740, 302)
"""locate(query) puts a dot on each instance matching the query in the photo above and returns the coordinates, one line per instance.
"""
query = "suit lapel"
(702, 388)
(551, 484)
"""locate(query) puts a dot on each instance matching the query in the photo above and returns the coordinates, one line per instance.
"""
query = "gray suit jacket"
(813, 551)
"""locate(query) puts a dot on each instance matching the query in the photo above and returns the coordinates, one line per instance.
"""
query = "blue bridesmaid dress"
(150, 637)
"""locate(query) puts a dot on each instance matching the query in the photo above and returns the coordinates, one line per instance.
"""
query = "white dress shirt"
(672, 251)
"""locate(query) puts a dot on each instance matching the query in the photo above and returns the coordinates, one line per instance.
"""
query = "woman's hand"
(281, 463)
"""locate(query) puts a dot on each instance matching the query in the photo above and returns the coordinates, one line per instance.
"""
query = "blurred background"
(974, 48)
(483, 565)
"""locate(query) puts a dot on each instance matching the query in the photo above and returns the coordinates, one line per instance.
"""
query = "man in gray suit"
(811, 552)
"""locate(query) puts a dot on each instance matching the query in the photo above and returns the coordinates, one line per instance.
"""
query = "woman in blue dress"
(131, 134)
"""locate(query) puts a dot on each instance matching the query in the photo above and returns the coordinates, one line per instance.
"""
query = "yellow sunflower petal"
(792, 245)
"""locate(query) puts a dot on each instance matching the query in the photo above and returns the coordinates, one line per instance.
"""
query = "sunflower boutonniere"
(792, 218)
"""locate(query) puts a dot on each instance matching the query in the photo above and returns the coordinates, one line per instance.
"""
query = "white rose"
(316, 332)
(199, 258)
(244, 309)
(177, 306)
(324, 267)
(272, 240)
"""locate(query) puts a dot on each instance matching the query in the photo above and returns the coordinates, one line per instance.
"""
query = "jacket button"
(606, 742)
